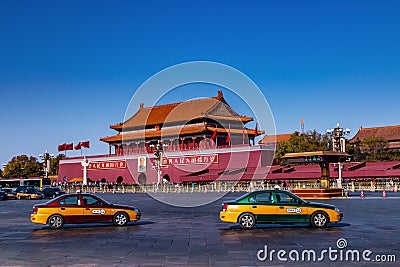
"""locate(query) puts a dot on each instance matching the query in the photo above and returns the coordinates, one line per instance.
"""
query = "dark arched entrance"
(119, 179)
(142, 178)
(166, 178)
(103, 180)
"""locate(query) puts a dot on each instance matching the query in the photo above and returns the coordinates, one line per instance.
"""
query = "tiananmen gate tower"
(203, 140)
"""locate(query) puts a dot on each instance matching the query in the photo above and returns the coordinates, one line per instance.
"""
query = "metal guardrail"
(221, 187)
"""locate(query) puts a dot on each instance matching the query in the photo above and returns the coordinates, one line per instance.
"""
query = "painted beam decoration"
(101, 165)
(190, 160)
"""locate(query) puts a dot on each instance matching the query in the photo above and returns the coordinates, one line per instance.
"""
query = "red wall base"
(318, 193)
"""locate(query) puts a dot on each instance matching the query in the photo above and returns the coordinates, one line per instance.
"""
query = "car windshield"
(32, 190)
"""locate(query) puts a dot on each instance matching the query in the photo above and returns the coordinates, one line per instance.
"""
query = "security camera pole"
(339, 145)
(46, 157)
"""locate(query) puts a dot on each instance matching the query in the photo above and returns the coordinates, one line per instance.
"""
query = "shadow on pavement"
(91, 226)
(274, 226)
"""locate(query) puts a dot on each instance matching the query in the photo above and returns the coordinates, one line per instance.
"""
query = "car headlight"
(337, 209)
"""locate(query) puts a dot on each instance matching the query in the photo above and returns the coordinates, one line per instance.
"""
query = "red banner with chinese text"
(189, 160)
(101, 165)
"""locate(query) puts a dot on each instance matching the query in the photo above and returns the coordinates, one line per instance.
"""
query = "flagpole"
(230, 142)
(216, 136)
(242, 136)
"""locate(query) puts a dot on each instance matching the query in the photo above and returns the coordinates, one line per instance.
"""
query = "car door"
(262, 206)
(22, 192)
(290, 209)
(95, 210)
(71, 209)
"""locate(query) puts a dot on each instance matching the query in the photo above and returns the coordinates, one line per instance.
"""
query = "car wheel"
(19, 197)
(120, 219)
(29, 197)
(319, 219)
(247, 221)
(56, 221)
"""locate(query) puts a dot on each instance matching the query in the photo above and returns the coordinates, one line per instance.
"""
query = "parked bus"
(15, 182)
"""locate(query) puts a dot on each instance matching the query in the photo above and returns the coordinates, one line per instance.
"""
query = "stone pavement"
(173, 236)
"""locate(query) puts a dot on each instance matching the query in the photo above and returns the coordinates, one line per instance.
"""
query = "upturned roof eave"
(364, 133)
(242, 119)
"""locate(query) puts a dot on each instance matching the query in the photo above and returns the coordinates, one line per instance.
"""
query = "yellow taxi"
(82, 208)
(10, 193)
(277, 206)
(27, 192)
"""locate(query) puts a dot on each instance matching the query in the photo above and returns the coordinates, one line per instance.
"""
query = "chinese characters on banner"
(188, 160)
(120, 164)
(142, 166)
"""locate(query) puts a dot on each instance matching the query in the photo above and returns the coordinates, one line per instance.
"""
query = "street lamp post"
(338, 145)
(85, 164)
(46, 157)
(158, 158)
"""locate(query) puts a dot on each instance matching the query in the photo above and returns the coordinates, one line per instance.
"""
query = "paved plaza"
(173, 236)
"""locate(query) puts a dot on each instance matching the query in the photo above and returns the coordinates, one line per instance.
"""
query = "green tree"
(303, 142)
(375, 148)
(22, 166)
(374, 144)
(54, 163)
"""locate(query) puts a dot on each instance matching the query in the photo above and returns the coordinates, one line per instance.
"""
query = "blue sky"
(68, 69)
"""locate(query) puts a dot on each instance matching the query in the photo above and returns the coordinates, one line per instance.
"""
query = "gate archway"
(142, 178)
(166, 178)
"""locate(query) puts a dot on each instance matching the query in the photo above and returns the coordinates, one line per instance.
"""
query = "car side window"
(263, 197)
(72, 200)
(88, 200)
(282, 197)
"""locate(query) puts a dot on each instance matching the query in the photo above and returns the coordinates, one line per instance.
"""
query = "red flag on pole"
(62, 147)
(69, 146)
(214, 134)
(78, 146)
(228, 138)
(85, 144)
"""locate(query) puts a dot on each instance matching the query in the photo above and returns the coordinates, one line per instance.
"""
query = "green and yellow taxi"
(82, 208)
(277, 206)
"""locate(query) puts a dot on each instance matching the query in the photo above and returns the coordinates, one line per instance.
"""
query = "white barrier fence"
(223, 187)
